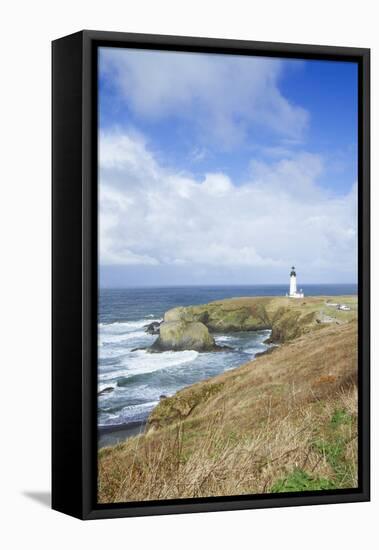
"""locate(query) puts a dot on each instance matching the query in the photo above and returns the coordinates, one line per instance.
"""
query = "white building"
(293, 293)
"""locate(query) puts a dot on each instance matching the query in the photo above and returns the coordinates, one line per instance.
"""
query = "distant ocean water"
(138, 378)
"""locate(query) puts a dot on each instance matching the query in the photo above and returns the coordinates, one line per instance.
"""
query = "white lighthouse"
(293, 293)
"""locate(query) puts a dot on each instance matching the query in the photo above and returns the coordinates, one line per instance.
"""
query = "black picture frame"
(75, 284)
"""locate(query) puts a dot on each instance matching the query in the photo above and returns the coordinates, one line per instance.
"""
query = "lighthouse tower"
(293, 293)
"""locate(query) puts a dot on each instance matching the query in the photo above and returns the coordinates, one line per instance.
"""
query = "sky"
(223, 169)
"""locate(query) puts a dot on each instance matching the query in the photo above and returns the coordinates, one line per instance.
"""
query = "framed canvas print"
(210, 274)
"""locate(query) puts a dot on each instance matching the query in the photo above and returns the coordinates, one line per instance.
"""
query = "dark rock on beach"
(109, 389)
(153, 328)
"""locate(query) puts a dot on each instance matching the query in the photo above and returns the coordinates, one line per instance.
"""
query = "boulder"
(153, 328)
(109, 389)
(182, 335)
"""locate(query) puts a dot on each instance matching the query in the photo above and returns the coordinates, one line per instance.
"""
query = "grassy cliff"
(287, 317)
(286, 421)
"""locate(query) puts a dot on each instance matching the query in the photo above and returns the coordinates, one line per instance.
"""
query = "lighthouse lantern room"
(293, 293)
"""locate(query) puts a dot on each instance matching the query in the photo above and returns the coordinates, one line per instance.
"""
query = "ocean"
(136, 380)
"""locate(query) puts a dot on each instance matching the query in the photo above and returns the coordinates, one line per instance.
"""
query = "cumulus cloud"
(155, 216)
(223, 96)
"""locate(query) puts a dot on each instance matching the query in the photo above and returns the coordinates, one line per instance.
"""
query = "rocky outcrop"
(181, 405)
(153, 328)
(104, 391)
(191, 327)
(290, 324)
(287, 318)
(223, 317)
(182, 335)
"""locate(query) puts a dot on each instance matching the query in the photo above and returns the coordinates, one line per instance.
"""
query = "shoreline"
(112, 435)
(222, 419)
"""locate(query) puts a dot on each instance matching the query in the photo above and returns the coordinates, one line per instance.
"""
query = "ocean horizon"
(236, 285)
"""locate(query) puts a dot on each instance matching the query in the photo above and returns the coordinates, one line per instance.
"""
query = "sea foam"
(125, 326)
(142, 362)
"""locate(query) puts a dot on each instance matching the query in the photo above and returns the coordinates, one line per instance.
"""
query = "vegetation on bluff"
(287, 318)
(286, 421)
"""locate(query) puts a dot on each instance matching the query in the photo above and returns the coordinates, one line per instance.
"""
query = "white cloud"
(151, 215)
(223, 96)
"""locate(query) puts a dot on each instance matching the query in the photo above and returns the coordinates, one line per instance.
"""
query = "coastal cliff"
(286, 421)
(190, 327)
(314, 364)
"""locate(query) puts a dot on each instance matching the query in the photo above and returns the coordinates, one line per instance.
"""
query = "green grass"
(340, 417)
(333, 445)
(299, 480)
(330, 445)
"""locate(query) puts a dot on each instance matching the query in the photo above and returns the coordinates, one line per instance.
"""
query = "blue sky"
(225, 169)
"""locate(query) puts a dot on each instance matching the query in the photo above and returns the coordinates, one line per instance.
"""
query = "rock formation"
(182, 335)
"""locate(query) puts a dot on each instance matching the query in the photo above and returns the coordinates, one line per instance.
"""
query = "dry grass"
(284, 422)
